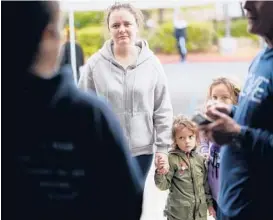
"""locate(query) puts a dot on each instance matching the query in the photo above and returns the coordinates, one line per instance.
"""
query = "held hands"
(161, 163)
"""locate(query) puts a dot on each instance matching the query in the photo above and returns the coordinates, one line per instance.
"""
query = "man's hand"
(221, 107)
(162, 163)
(222, 130)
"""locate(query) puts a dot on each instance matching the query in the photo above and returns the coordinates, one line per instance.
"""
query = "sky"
(85, 5)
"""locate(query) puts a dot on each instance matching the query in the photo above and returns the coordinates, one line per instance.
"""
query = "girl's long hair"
(233, 88)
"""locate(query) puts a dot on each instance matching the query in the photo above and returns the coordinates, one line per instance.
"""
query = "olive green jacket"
(189, 196)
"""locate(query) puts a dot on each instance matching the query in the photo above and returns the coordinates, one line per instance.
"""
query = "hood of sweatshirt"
(144, 54)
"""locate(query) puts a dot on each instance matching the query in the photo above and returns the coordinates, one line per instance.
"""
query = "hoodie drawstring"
(133, 97)
(107, 87)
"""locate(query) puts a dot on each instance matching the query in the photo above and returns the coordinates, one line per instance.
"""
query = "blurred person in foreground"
(246, 132)
(64, 153)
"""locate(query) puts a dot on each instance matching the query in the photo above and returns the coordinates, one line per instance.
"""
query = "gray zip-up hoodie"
(139, 96)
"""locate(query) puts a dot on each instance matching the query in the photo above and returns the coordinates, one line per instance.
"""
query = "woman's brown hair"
(134, 11)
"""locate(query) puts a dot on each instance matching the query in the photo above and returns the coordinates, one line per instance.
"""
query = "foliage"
(199, 38)
(84, 19)
(91, 39)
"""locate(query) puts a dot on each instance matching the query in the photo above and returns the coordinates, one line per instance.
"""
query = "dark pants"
(180, 35)
(144, 162)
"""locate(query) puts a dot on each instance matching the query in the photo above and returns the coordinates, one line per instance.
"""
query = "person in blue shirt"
(246, 132)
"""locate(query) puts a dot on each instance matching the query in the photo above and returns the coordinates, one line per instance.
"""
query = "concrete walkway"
(242, 55)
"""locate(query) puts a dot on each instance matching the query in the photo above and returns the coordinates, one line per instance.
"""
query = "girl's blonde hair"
(233, 88)
(181, 122)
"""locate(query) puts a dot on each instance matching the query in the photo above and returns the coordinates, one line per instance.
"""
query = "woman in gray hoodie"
(127, 74)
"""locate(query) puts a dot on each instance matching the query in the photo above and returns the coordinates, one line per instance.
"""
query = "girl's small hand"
(205, 155)
(161, 171)
(212, 212)
(159, 162)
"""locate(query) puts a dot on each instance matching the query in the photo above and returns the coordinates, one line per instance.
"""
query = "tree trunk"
(160, 15)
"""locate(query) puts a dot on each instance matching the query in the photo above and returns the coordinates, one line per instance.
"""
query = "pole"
(72, 44)
(227, 19)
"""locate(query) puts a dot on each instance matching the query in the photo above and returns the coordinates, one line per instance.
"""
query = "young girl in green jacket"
(189, 196)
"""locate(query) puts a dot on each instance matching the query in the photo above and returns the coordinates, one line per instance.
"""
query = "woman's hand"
(161, 163)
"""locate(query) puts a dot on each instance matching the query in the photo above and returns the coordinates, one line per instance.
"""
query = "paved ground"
(241, 55)
(188, 84)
